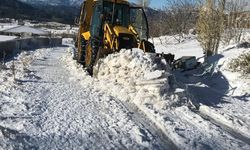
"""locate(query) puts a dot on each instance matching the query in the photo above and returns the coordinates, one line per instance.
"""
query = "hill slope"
(17, 9)
(54, 2)
(63, 11)
(20, 10)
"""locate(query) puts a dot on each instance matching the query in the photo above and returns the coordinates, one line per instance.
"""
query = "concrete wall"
(12, 47)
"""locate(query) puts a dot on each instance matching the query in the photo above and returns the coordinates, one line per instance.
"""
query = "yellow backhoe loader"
(107, 26)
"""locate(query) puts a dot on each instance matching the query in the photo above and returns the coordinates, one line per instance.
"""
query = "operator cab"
(139, 21)
(117, 14)
(107, 26)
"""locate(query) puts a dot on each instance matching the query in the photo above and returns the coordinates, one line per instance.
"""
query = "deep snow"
(46, 108)
(169, 111)
(54, 104)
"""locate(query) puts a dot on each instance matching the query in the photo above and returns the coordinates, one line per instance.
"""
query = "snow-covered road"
(54, 104)
(60, 113)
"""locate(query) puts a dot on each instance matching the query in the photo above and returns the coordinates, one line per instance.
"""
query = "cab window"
(121, 14)
(139, 22)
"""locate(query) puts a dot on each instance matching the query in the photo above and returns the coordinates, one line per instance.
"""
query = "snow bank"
(12, 75)
(136, 74)
(12, 71)
(142, 80)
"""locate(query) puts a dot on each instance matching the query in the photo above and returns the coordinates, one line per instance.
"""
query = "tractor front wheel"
(81, 51)
(92, 55)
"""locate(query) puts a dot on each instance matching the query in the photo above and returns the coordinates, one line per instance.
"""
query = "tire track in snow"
(69, 115)
(224, 127)
(134, 112)
(138, 115)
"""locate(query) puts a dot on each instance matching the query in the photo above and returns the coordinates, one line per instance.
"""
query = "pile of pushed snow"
(133, 74)
(18, 67)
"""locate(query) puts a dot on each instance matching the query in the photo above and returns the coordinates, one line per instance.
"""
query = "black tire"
(81, 58)
(93, 61)
(95, 48)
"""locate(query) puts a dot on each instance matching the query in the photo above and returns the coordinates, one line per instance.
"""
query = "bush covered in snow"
(241, 64)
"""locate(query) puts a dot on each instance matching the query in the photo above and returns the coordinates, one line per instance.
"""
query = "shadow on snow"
(207, 84)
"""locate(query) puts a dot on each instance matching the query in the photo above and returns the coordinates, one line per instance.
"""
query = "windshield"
(121, 14)
(139, 22)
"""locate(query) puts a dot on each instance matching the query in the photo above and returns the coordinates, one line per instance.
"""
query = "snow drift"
(135, 74)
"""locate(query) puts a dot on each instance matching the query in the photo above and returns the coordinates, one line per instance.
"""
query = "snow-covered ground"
(51, 27)
(64, 30)
(5, 26)
(125, 76)
(6, 38)
(45, 107)
(223, 95)
(188, 46)
(133, 102)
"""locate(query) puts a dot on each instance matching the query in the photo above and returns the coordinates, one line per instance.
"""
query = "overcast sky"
(154, 3)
